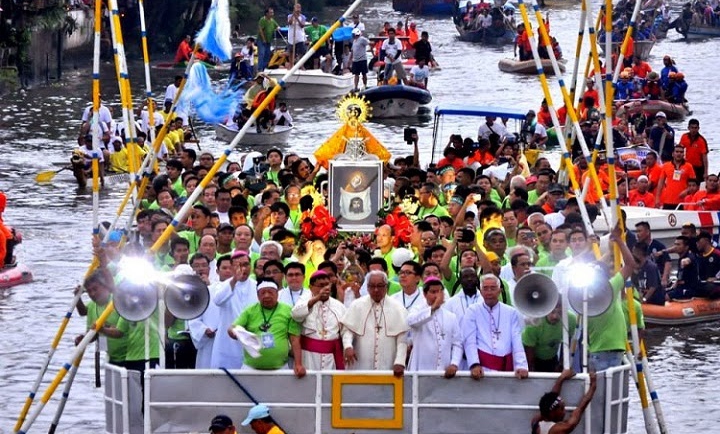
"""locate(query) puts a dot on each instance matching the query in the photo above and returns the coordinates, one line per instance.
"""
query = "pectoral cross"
(323, 333)
(496, 333)
(442, 335)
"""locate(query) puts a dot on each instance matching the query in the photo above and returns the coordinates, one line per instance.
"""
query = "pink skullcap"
(239, 254)
(431, 279)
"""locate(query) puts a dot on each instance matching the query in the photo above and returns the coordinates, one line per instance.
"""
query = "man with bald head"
(208, 247)
(384, 241)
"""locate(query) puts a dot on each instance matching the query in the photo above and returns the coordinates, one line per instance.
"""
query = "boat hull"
(527, 66)
(651, 107)
(700, 32)
(425, 7)
(395, 101)
(640, 48)
(279, 136)
(312, 84)
(484, 37)
(17, 275)
(682, 312)
(169, 66)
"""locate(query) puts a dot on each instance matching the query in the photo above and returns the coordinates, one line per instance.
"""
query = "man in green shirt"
(266, 31)
(558, 252)
(272, 323)
(542, 341)
(314, 32)
(429, 202)
(200, 220)
(607, 332)
(100, 295)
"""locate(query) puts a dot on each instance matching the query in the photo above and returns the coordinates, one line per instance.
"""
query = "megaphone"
(535, 295)
(599, 297)
(186, 296)
(135, 301)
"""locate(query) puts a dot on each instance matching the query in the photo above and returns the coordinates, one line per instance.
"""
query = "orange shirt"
(676, 181)
(653, 174)
(543, 116)
(639, 199)
(641, 69)
(694, 149)
(592, 196)
(593, 93)
(712, 201)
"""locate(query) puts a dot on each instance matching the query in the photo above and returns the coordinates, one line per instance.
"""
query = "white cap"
(357, 32)
(265, 284)
(660, 115)
(401, 255)
(643, 177)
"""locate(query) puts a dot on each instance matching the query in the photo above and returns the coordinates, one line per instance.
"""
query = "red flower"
(318, 224)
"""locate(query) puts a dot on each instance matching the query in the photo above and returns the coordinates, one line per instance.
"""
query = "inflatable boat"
(528, 66)
(17, 275)
(390, 101)
(682, 312)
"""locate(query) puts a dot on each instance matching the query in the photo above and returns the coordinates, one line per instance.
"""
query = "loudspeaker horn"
(535, 295)
(599, 296)
(135, 301)
(186, 296)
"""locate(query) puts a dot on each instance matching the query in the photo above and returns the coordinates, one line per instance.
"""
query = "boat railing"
(182, 401)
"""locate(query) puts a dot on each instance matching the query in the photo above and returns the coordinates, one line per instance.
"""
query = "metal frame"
(334, 191)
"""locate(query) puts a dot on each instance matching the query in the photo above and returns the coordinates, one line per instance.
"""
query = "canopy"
(478, 111)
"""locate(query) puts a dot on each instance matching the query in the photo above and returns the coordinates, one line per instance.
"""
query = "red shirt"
(456, 163)
(676, 180)
(694, 149)
(653, 174)
(641, 69)
(544, 117)
(639, 199)
(712, 201)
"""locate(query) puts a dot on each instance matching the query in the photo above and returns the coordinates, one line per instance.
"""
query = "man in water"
(551, 419)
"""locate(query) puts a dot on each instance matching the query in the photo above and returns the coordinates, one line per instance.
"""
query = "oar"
(48, 176)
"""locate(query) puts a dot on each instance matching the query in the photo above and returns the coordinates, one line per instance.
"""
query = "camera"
(408, 134)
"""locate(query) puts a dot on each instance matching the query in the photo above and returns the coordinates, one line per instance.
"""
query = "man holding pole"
(296, 33)
(266, 30)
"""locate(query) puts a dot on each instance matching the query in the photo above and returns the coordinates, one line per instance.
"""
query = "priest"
(379, 329)
(231, 298)
(323, 335)
(437, 342)
(492, 333)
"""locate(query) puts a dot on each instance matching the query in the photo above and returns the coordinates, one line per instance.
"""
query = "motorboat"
(311, 84)
(277, 135)
(390, 101)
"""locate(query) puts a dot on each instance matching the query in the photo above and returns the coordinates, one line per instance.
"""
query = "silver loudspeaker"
(599, 296)
(186, 296)
(135, 301)
(535, 295)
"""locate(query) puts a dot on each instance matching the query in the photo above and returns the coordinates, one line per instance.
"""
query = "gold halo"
(353, 103)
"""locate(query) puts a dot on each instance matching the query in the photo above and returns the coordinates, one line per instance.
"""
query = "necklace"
(292, 297)
(413, 300)
(375, 314)
(266, 321)
(494, 325)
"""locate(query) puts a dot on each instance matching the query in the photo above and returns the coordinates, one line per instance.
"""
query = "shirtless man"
(551, 419)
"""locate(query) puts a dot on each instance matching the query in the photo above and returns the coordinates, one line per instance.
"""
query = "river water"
(38, 128)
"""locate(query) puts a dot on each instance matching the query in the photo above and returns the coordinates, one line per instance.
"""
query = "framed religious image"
(355, 194)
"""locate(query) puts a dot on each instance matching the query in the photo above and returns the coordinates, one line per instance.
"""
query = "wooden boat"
(698, 32)
(16, 275)
(528, 66)
(651, 107)
(280, 135)
(391, 101)
(169, 66)
(486, 36)
(425, 7)
(682, 312)
(312, 84)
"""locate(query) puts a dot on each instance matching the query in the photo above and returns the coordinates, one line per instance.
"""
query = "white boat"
(665, 224)
(280, 135)
(528, 66)
(312, 84)
(184, 401)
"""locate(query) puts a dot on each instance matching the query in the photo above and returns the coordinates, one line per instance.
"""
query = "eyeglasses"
(406, 272)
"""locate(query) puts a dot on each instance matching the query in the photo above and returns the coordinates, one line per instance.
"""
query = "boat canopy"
(478, 111)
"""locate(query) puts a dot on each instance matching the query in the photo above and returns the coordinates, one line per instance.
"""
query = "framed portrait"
(355, 194)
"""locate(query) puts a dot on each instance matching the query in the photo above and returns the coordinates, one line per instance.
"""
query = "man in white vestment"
(295, 291)
(461, 302)
(204, 328)
(323, 335)
(232, 297)
(437, 342)
(409, 278)
(492, 333)
(379, 326)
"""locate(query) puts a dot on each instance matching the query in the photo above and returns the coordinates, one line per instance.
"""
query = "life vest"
(260, 97)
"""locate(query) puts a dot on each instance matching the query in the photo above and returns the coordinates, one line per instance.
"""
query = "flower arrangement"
(401, 225)
(318, 224)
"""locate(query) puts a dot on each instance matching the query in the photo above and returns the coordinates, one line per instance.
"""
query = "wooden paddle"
(48, 176)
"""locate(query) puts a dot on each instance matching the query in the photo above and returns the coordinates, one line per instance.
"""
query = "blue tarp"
(342, 34)
(478, 111)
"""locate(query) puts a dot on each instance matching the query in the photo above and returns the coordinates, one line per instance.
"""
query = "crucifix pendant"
(323, 333)
(496, 333)
(442, 335)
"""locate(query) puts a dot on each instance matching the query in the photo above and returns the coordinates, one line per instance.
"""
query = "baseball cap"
(224, 226)
(314, 19)
(400, 256)
(220, 422)
(660, 115)
(357, 32)
(556, 188)
(260, 411)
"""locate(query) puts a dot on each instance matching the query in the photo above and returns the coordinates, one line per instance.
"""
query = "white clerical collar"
(491, 308)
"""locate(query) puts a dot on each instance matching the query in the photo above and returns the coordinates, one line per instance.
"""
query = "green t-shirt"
(315, 33)
(388, 260)
(638, 314)
(267, 28)
(394, 287)
(177, 186)
(193, 239)
(173, 332)
(547, 262)
(438, 211)
(495, 198)
(281, 327)
(135, 332)
(607, 332)
(533, 197)
(545, 338)
(116, 347)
